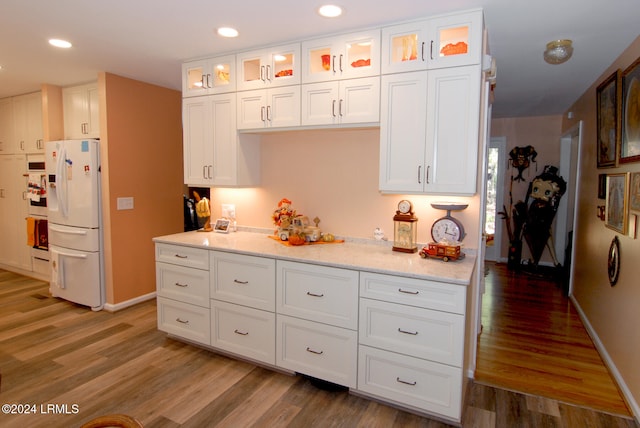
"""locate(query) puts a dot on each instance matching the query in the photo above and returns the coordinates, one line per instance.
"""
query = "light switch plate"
(125, 203)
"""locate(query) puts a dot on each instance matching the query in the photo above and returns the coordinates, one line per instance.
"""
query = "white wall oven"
(37, 225)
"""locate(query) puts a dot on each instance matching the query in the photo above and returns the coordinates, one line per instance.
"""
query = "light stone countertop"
(360, 255)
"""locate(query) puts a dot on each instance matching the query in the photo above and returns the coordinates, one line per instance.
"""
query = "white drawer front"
(318, 293)
(411, 381)
(410, 291)
(181, 319)
(184, 284)
(246, 280)
(184, 256)
(245, 331)
(318, 350)
(423, 333)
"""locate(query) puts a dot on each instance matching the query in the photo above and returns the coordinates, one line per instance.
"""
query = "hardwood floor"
(73, 364)
(533, 341)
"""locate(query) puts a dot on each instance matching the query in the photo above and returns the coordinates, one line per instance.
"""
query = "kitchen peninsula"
(387, 325)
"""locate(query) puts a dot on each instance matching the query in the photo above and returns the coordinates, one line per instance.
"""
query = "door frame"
(494, 254)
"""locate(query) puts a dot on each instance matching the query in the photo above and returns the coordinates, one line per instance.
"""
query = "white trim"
(624, 389)
(111, 307)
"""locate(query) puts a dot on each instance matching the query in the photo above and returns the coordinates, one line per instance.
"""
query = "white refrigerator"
(75, 222)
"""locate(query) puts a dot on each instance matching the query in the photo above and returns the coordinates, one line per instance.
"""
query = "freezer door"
(77, 238)
(75, 276)
(74, 182)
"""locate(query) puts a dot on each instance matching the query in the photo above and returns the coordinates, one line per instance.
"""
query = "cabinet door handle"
(341, 63)
(309, 293)
(203, 84)
(407, 291)
(237, 281)
(431, 50)
(210, 171)
(333, 108)
(314, 352)
(333, 61)
(269, 113)
(181, 285)
(268, 75)
(262, 73)
(241, 333)
(419, 174)
(422, 51)
(340, 108)
(204, 171)
(262, 113)
(182, 321)
(406, 382)
(412, 333)
(427, 175)
(181, 256)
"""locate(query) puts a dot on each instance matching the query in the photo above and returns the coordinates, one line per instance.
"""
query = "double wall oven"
(37, 230)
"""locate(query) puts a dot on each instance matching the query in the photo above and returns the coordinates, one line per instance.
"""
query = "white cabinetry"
(341, 57)
(411, 336)
(317, 321)
(243, 305)
(343, 102)
(276, 66)
(269, 108)
(209, 76)
(81, 111)
(27, 115)
(14, 250)
(441, 158)
(214, 154)
(182, 283)
(7, 142)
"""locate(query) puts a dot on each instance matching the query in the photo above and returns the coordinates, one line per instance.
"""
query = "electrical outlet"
(125, 203)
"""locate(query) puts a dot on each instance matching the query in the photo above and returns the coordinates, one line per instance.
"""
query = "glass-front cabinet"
(277, 66)
(341, 57)
(209, 76)
(445, 41)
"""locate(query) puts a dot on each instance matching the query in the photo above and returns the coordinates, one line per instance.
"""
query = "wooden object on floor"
(534, 342)
(52, 351)
(119, 421)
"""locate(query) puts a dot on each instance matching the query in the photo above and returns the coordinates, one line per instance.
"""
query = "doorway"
(494, 197)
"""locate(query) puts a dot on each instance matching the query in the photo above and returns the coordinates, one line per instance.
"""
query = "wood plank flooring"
(74, 364)
(533, 341)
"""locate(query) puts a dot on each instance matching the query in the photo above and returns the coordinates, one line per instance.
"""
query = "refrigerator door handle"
(61, 183)
(72, 255)
(67, 231)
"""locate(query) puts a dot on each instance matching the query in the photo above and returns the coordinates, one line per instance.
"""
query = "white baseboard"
(114, 307)
(626, 393)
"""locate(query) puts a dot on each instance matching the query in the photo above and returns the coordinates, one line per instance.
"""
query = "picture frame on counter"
(222, 225)
(617, 201)
(630, 141)
(608, 94)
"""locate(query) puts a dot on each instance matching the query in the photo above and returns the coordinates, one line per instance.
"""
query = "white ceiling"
(149, 39)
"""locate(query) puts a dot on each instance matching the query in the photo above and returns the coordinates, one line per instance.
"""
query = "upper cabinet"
(209, 76)
(7, 144)
(341, 57)
(445, 41)
(277, 66)
(81, 111)
(27, 115)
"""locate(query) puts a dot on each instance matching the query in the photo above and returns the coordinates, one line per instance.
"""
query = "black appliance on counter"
(191, 220)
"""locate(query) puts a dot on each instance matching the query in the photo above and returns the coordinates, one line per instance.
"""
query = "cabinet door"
(14, 250)
(403, 109)
(359, 100)
(198, 148)
(455, 40)
(224, 138)
(278, 66)
(210, 76)
(283, 107)
(452, 130)
(319, 103)
(404, 47)
(27, 110)
(252, 111)
(7, 141)
(81, 111)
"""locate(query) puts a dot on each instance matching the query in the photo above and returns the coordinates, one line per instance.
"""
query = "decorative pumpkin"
(328, 237)
(297, 239)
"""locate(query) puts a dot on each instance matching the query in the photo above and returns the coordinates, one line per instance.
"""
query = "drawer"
(187, 285)
(409, 381)
(184, 256)
(318, 293)
(245, 280)
(415, 292)
(248, 332)
(182, 319)
(433, 335)
(318, 350)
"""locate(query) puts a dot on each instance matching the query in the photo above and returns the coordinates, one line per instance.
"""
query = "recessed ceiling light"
(60, 43)
(227, 32)
(330, 11)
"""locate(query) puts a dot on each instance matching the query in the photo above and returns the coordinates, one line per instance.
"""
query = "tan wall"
(612, 311)
(141, 147)
(543, 133)
(332, 174)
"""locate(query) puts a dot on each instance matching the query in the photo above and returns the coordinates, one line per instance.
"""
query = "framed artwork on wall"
(616, 211)
(634, 192)
(609, 110)
(630, 141)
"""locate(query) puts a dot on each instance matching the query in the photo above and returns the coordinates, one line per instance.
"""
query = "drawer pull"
(309, 293)
(413, 333)
(237, 281)
(182, 321)
(407, 291)
(181, 285)
(405, 382)
(241, 333)
(181, 257)
(314, 352)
